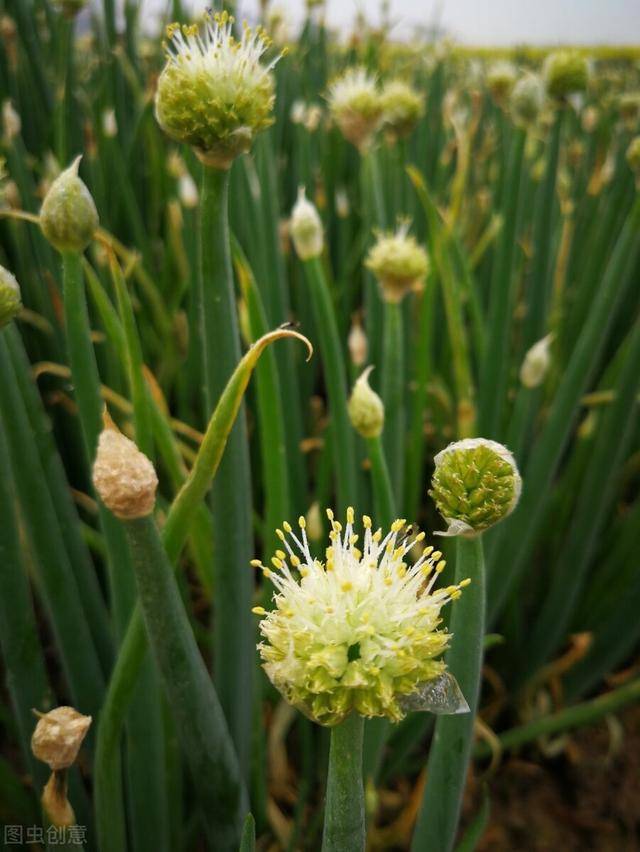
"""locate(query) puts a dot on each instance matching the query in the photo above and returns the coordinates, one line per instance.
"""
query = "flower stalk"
(344, 823)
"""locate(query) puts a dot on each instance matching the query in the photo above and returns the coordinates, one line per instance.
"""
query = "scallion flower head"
(399, 263)
(214, 93)
(355, 104)
(10, 301)
(358, 631)
(475, 485)
(402, 108)
(306, 228)
(68, 216)
(527, 99)
(501, 78)
(566, 72)
(124, 478)
(366, 409)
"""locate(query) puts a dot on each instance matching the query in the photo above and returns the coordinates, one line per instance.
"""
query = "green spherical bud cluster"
(366, 409)
(402, 108)
(399, 263)
(501, 78)
(527, 98)
(566, 72)
(633, 155)
(68, 216)
(214, 94)
(306, 228)
(355, 105)
(475, 485)
(10, 302)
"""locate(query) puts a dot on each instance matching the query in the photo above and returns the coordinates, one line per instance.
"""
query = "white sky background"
(480, 22)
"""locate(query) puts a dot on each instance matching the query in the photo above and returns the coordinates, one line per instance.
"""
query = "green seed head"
(306, 228)
(68, 216)
(214, 94)
(10, 302)
(355, 105)
(402, 108)
(399, 263)
(366, 410)
(501, 78)
(475, 485)
(527, 99)
(566, 72)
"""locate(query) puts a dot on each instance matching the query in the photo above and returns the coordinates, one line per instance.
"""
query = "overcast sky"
(492, 22)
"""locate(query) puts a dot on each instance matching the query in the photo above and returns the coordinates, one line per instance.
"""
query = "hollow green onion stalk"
(475, 485)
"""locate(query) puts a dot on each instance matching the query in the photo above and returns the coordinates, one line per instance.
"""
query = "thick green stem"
(453, 737)
(344, 808)
(199, 718)
(336, 382)
(231, 492)
(393, 386)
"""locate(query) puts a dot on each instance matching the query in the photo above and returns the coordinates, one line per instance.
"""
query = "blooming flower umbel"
(355, 104)
(214, 93)
(399, 263)
(359, 630)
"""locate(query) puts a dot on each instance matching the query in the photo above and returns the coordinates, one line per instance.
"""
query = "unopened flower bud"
(527, 99)
(366, 410)
(10, 302)
(357, 343)
(124, 478)
(58, 736)
(566, 72)
(399, 263)
(354, 102)
(306, 228)
(68, 216)
(475, 485)
(536, 363)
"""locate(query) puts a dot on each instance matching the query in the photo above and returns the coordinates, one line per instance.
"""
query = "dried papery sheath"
(536, 363)
(399, 263)
(475, 485)
(366, 409)
(214, 93)
(359, 631)
(306, 228)
(68, 216)
(124, 478)
(10, 301)
(566, 72)
(58, 736)
(355, 105)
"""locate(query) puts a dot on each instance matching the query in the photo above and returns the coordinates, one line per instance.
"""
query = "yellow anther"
(304, 572)
(337, 526)
(388, 581)
(281, 554)
(397, 525)
(353, 539)
(377, 535)
(426, 569)
(329, 610)
(420, 537)
(436, 555)
(346, 586)
(464, 583)
(427, 550)
(287, 527)
(256, 563)
(350, 515)
(295, 561)
(333, 535)
(259, 610)
(267, 572)
(280, 535)
(276, 562)
(302, 523)
(441, 566)
(366, 520)
(330, 514)
(357, 554)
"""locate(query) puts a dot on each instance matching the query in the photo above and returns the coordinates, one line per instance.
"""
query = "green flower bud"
(475, 485)
(402, 108)
(366, 410)
(10, 302)
(566, 72)
(354, 103)
(68, 216)
(213, 93)
(633, 155)
(399, 263)
(501, 78)
(306, 228)
(527, 98)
